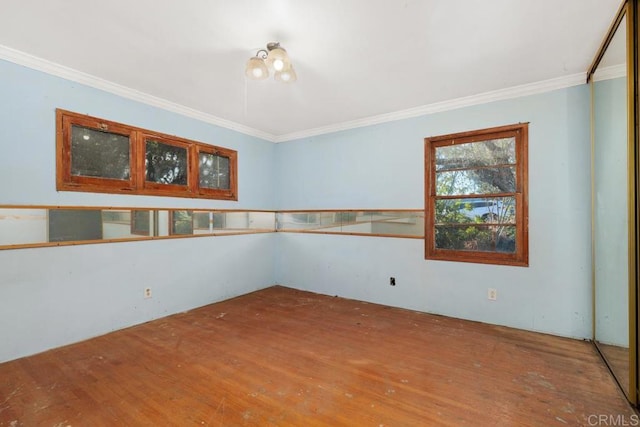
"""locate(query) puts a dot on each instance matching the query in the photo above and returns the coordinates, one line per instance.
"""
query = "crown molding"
(36, 63)
(453, 104)
(610, 72)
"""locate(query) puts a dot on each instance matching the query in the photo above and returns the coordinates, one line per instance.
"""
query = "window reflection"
(99, 154)
(379, 223)
(55, 226)
(165, 163)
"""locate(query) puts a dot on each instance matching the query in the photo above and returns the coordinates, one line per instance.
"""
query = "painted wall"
(54, 296)
(381, 166)
(28, 100)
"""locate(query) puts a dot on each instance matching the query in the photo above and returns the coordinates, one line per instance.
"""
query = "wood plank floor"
(284, 357)
(618, 359)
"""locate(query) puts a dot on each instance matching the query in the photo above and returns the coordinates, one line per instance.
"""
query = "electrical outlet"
(147, 292)
(492, 294)
(392, 281)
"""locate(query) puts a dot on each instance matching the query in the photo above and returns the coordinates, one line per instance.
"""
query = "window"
(141, 222)
(215, 172)
(96, 155)
(476, 196)
(181, 222)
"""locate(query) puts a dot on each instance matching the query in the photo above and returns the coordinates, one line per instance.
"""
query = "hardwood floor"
(291, 358)
(618, 359)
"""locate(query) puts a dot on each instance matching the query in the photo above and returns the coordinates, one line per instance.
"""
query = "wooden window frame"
(137, 184)
(233, 171)
(521, 255)
(65, 181)
(150, 187)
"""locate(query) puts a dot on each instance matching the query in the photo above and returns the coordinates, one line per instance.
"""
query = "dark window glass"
(214, 171)
(165, 163)
(140, 222)
(181, 222)
(74, 224)
(99, 154)
(219, 220)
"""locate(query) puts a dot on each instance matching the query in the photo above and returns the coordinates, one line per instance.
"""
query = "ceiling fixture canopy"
(273, 58)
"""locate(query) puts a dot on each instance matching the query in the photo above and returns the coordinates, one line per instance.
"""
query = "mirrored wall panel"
(393, 223)
(613, 214)
(49, 226)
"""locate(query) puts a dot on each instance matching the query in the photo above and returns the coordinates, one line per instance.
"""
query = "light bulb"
(286, 76)
(256, 69)
(278, 64)
(278, 59)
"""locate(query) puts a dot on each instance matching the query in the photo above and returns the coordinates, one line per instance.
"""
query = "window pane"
(165, 163)
(141, 221)
(214, 171)
(309, 221)
(201, 220)
(99, 154)
(474, 154)
(219, 220)
(74, 224)
(476, 237)
(476, 181)
(498, 210)
(181, 222)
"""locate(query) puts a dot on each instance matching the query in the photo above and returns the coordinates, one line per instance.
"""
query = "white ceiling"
(354, 58)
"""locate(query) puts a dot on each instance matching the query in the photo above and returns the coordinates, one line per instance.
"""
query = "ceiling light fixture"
(274, 58)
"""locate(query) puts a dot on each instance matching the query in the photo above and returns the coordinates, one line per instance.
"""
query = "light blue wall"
(382, 166)
(28, 100)
(54, 296)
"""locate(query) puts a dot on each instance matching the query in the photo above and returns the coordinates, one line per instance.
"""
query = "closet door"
(614, 188)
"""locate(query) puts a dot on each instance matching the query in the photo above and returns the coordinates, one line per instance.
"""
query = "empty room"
(319, 213)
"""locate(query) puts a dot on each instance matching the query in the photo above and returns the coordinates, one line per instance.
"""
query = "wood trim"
(479, 196)
(132, 207)
(155, 188)
(215, 232)
(137, 183)
(633, 53)
(65, 181)
(347, 224)
(521, 255)
(225, 194)
(401, 236)
(475, 136)
(132, 239)
(348, 210)
(467, 168)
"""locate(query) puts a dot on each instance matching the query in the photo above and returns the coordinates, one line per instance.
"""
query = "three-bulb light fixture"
(274, 58)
